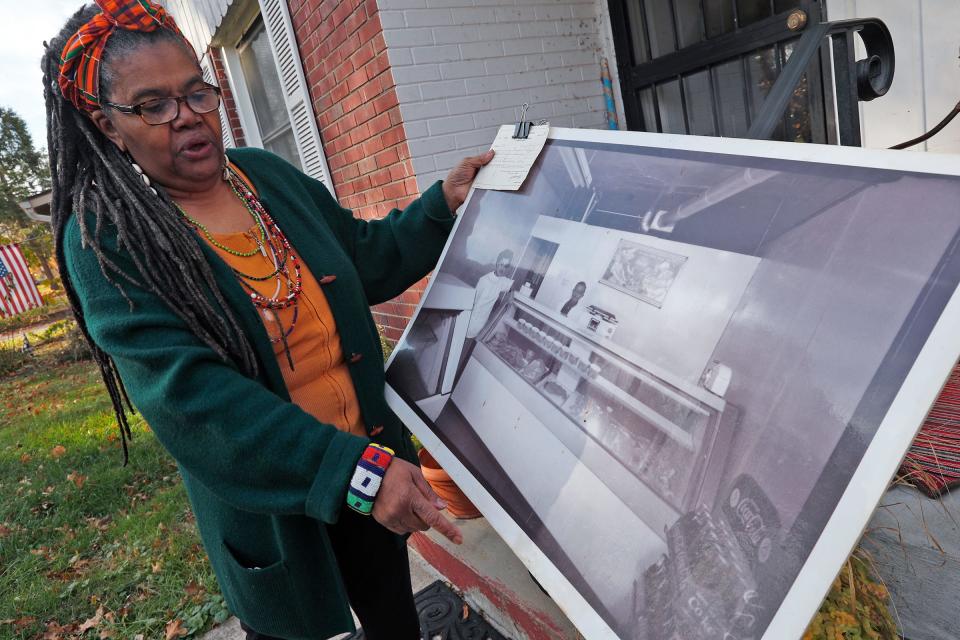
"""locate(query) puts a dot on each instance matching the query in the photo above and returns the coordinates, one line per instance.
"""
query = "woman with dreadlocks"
(229, 295)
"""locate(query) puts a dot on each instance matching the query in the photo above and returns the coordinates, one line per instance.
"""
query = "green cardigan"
(261, 472)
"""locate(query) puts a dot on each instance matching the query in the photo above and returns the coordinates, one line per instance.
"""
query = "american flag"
(18, 292)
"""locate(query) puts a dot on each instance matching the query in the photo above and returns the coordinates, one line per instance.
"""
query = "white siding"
(198, 19)
(464, 67)
(926, 84)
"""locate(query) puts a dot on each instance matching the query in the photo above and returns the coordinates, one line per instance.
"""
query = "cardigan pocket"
(262, 597)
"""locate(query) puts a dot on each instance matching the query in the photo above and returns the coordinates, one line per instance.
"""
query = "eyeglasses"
(164, 110)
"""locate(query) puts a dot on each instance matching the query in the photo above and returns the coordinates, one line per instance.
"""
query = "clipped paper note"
(513, 159)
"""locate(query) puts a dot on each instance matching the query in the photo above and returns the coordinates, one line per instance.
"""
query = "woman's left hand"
(457, 184)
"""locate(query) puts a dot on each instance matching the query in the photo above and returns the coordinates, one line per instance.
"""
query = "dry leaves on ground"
(77, 479)
(93, 622)
(58, 451)
(19, 623)
(174, 630)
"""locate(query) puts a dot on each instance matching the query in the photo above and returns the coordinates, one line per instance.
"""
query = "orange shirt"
(320, 382)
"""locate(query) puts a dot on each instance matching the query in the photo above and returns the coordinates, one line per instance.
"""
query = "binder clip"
(521, 130)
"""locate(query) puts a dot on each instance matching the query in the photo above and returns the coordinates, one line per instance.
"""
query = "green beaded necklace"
(261, 241)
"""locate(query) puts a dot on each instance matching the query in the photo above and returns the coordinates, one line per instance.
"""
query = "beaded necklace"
(273, 244)
(196, 224)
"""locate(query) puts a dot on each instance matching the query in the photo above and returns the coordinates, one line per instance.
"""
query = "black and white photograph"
(665, 365)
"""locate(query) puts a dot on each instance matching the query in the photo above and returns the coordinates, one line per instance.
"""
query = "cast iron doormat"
(445, 616)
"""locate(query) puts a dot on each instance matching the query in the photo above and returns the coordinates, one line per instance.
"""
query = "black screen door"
(704, 67)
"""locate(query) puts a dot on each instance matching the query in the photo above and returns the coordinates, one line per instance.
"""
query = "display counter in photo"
(663, 367)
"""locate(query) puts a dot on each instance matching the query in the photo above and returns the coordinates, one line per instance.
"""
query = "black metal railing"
(687, 67)
(854, 80)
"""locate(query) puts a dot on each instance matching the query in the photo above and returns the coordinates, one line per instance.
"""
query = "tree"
(23, 172)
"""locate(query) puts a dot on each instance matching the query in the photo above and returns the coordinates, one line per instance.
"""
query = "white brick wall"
(464, 67)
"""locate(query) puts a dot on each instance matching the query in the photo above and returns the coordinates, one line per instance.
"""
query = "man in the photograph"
(575, 297)
(488, 292)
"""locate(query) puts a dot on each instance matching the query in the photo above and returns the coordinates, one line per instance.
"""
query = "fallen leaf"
(77, 479)
(100, 524)
(139, 636)
(5, 531)
(56, 631)
(25, 458)
(58, 451)
(157, 566)
(90, 623)
(192, 588)
(106, 633)
(174, 630)
(19, 623)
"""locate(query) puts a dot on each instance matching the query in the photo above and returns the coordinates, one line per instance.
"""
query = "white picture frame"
(892, 429)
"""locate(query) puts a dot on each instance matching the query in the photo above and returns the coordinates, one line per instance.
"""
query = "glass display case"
(664, 433)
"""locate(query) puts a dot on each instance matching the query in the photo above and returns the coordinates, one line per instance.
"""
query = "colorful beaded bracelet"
(367, 477)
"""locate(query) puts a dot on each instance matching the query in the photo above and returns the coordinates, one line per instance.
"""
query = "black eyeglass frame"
(137, 109)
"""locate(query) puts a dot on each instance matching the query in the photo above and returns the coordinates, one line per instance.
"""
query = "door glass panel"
(718, 15)
(779, 6)
(699, 96)
(645, 97)
(689, 22)
(749, 11)
(763, 73)
(660, 27)
(730, 83)
(798, 112)
(671, 107)
(637, 31)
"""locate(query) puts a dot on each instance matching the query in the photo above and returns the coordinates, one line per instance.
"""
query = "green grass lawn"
(90, 548)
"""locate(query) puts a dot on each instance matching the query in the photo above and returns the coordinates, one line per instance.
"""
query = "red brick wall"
(345, 62)
(228, 102)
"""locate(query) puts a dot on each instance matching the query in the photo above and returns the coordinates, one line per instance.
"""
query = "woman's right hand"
(406, 503)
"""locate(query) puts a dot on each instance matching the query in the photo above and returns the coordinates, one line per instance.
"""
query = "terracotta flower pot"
(457, 504)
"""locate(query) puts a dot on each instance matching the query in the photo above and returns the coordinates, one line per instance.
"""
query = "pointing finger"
(435, 520)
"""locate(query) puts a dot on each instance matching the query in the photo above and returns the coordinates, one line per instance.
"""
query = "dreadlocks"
(90, 174)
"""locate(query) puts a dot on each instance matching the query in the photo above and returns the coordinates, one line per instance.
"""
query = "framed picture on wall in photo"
(682, 425)
(642, 272)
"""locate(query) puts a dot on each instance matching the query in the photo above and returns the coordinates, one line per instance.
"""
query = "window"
(263, 86)
(259, 49)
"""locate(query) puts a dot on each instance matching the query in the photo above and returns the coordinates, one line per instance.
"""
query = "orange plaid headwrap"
(80, 61)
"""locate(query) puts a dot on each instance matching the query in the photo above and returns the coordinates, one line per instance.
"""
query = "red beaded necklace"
(282, 255)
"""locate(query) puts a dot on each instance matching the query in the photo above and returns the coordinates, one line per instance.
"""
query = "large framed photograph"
(677, 373)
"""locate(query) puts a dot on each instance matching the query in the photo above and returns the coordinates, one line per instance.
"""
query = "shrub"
(12, 356)
(75, 347)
